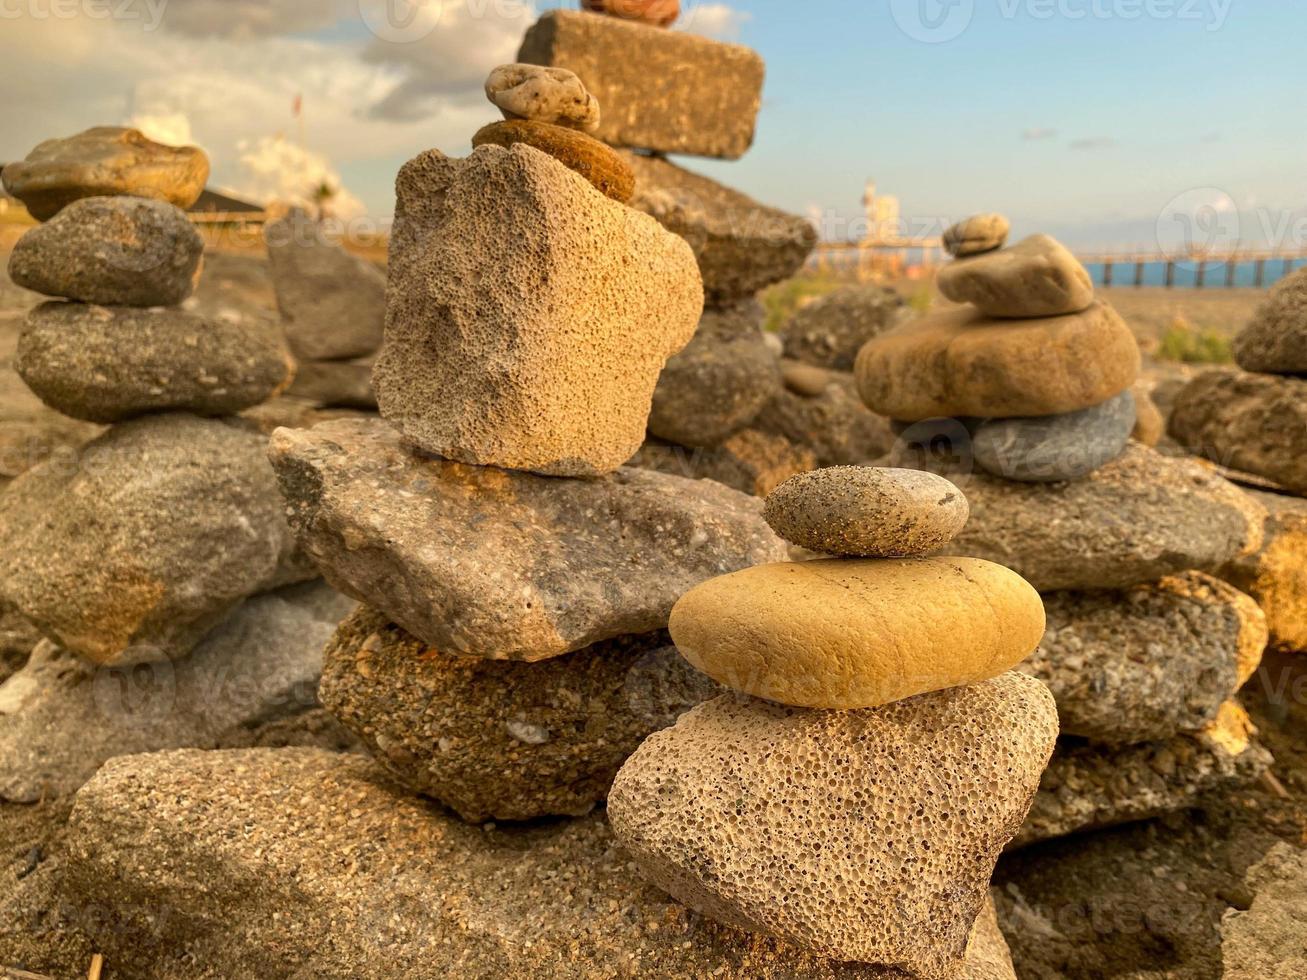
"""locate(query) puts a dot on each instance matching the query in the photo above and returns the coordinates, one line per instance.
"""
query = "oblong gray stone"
(1056, 447)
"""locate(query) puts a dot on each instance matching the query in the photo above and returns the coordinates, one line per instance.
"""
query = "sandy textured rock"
(34, 437)
(1055, 447)
(829, 331)
(834, 424)
(247, 848)
(61, 718)
(162, 526)
(1276, 574)
(976, 235)
(1150, 426)
(128, 251)
(596, 161)
(107, 364)
(867, 835)
(496, 740)
(548, 95)
(717, 385)
(105, 161)
(1251, 422)
(492, 563)
(751, 461)
(1035, 277)
(17, 639)
(1147, 664)
(335, 384)
(1275, 340)
(1141, 517)
(670, 91)
(867, 512)
(553, 308)
(857, 634)
(742, 246)
(1268, 941)
(332, 303)
(660, 13)
(961, 363)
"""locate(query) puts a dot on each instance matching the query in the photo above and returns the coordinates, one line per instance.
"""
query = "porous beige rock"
(867, 512)
(669, 91)
(962, 363)
(1035, 277)
(976, 235)
(549, 95)
(493, 563)
(1276, 574)
(1266, 940)
(861, 835)
(856, 634)
(497, 740)
(1275, 340)
(597, 162)
(105, 161)
(553, 308)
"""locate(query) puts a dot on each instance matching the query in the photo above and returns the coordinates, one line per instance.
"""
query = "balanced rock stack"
(160, 528)
(717, 410)
(853, 792)
(1031, 385)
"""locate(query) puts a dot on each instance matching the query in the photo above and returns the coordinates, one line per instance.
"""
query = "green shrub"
(1188, 344)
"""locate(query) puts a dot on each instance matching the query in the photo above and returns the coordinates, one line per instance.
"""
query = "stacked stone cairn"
(1024, 396)
(144, 546)
(724, 407)
(1252, 420)
(875, 752)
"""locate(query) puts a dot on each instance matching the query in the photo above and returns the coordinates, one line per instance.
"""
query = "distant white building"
(883, 216)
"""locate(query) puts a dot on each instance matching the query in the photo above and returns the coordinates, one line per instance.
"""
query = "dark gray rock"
(1056, 447)
(334, 384)
(833, 424)
(1275, 340)
(829, 331)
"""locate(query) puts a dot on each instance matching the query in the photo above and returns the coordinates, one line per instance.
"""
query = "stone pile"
(852, 791)
(1030, 386)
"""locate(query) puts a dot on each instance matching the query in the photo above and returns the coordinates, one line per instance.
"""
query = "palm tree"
(322, 195)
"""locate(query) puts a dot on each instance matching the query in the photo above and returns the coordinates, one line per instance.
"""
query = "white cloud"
(1035, 133)
(172, 128)
(246, 19)
(715, 20)
(273, 168)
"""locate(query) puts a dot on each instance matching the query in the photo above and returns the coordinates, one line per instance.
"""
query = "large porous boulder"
(1275, 340)
(136, 549)
(1251, 422)
(106, 364)
(333, 304)
(1141, 517)
(121, 251)
(829, 331)
(1146, 664)
(61, 718)
(717, 384)
(499, 740)
(105, 161)
(1266, 940)
(247, 848)
(1276, 574)
(862, 835)
(742, 246)
(669, 91)
(825, 416)
(751, 461)
(529, 316)
(504, 565)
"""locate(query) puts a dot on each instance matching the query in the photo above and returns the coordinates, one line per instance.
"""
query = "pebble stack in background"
(858, 811)
(1025, 396)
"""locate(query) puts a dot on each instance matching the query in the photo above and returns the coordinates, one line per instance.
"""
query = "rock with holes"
(976, 235)
(547, 95)
(1036, 277)
(1055, 447)
(1276, 573)
(862, 835)
(497, 740)
(1275, 340)
(829, 331)
(857, 633)
(553, 308)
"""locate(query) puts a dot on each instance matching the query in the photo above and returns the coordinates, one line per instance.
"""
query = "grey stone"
(125, 251)
(976, 235)
(742, 246)
(1275, 340)
(1056, 447)
(334, 384)
(61, 718)
(333, 303)
(829, 331)
(1268, 940)
(107, 364)
(505, 565)
(157, 529)
(834, 425)
(502, 740)
(669, 91)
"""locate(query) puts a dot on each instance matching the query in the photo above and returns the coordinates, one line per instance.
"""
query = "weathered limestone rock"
(1266, 941)
(742, 246)
(1276, 574)
(833, 423)
(61, 718)
(497, 740)
(597, 162)
(1275, 340)
(105, 161)
(751, 461)
(159, 529)
(333, 304)
(976, 235)
(1147, 664)
(509, 566)
(865, 835)
(124, 251)
(1036, 277)
(1055, 447)
(829, 331)
(107, 364)
(547, 95)
(668, 91)
(553, 308)
(247, 848)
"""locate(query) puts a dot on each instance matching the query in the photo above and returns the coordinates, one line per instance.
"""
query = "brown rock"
(829, 331)
(1265, 941)
(660, 13)
(976, 235)
(553, 308)
(1275, 340)
(833, 425)
(1276, 574)
(335, 384)
(547, 95)
(593, 160)
(751, 461)
(1150, 426)
(1036, 277)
